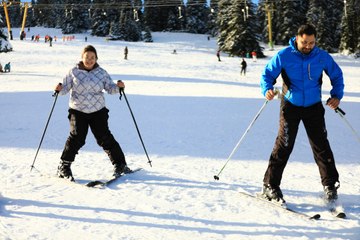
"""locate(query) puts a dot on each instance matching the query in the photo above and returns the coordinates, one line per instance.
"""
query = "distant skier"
(126, 51)
(50, 41)
(218, 55)
(254, 56)
(1, 68)
(243, 67)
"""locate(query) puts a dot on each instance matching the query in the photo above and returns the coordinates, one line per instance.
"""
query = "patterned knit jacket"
(86, 88)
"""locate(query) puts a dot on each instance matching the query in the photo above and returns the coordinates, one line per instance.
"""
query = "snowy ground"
(191, 111)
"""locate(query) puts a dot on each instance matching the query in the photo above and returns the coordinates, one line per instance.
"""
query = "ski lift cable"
(160, 3)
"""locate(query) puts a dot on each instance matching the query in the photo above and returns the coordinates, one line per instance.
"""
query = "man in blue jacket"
(301, 66)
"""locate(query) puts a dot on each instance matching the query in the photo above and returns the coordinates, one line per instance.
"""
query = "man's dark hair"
(307, 29)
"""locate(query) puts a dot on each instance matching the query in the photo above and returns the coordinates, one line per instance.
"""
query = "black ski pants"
(314, 123)
(98, 123)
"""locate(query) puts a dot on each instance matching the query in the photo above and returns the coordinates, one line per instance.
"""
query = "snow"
(191, 111)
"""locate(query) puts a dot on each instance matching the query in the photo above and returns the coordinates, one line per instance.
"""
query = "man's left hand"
(333, 103)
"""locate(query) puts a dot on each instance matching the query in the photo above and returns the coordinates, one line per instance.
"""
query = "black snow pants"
(314, 123)
(98, 123)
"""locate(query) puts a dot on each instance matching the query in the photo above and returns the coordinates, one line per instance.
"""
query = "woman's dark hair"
(89, 48)
(307, 29)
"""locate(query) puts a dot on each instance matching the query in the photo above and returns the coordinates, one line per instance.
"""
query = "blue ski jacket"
(302, 75)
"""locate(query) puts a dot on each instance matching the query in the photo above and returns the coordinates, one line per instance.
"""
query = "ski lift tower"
(5, 5)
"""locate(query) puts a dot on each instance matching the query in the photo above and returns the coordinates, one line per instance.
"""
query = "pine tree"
(132, 30)
(223, 18)
(262, 21)
(100, 23)
(5, 46)
(126, 28)
(76, 17)
(211, 24)
(350, 39)
(15, 13)
(237, 34)
(153, 16)
(293, 16)
(160, 16)
(175, 20)
(46, 13)
(197, 13)
(325, 15)
(147, 35)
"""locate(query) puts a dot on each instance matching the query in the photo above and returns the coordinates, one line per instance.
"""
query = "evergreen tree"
(325, 15)
(262, 20)
(46, 13)
(76, 17)
(147, 35)
(126, 28)
(293, 14)
(100, 23)
(15, 14)
(350, 39)
(159, 16)
(31, 20)
(5, 46)
(176, 18)
(153, 16)
(132, 30)
(117, 32)
(211, 24)
(237, 34)
(197, 13)
(173, 22)
(223, 18)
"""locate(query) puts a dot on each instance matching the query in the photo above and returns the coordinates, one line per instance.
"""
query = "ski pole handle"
(56, 92)
(337, 109)
(340, 110)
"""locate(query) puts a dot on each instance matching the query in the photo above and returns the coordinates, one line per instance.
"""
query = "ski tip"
(341, 215)
(94, 183)
(316, 217)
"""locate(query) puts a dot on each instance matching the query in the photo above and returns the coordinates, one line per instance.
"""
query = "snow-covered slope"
(191, 111)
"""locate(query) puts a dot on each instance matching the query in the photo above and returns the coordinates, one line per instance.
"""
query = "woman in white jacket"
(85, 83)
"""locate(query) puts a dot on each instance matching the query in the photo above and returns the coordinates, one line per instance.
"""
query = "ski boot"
(64, 170)
(330, 193)
(120, 170)
(273, 193)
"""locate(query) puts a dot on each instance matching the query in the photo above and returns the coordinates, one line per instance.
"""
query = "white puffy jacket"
(86, 88)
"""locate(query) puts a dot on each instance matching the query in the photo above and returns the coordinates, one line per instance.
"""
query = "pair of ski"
(98, 183)
(333, 207)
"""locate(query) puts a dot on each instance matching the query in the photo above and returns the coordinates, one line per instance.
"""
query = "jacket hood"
(81, 66)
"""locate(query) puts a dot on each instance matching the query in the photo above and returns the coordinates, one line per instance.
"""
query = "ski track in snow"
(191, 111)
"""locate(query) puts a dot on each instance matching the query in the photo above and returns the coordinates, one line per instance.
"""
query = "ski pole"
(55, 94)
(342, 115)
(137, 128)
(216, 177)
